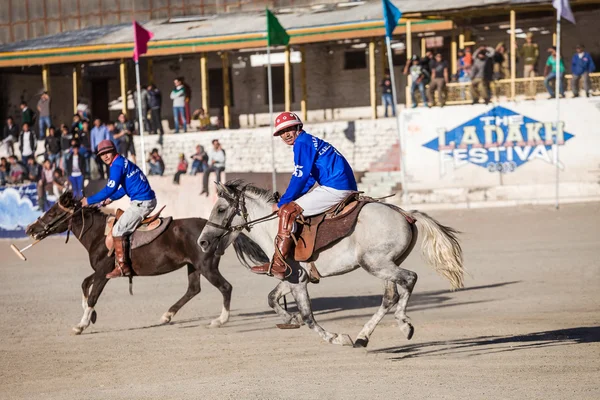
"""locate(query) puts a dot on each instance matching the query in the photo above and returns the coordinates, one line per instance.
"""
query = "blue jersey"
(317, 161)
(125, 178)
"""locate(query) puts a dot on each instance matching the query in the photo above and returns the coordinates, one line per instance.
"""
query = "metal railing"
(525, 89)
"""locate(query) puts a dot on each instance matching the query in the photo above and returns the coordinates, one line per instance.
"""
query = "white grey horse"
(380, 242)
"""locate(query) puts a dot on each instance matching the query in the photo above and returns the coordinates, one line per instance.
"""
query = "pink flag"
(142, 37)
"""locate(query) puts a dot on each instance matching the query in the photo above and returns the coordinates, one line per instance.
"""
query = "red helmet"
(106, 146)
(285, 120)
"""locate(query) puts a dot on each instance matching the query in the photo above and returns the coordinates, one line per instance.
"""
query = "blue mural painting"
(18, 208)
(499, 140)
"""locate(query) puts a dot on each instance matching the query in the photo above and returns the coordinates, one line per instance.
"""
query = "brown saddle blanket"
(151, 228)
(322, 230)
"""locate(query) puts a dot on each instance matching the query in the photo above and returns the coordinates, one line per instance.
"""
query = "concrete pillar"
(513, 54)
(226, 97)
(372, 79)
(204, 82)
(303, 107)
(46, 77)
(287, 80)
(123, 81)
(76, 74)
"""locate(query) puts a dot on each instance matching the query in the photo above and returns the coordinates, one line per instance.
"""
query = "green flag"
(276, 34)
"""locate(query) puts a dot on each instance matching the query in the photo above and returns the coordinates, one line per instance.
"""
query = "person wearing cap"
(581, 66)
(529, 53)
(316, 162)
(125, 178)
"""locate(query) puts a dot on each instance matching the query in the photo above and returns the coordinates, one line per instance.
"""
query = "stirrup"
(287, 268)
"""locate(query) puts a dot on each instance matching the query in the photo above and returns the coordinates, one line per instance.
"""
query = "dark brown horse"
(172, 250)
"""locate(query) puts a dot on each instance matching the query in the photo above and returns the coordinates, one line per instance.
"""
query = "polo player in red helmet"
(316, 161)
(125, 178)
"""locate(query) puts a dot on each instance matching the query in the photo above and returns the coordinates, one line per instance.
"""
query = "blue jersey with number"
(317, 161)
(125, 178)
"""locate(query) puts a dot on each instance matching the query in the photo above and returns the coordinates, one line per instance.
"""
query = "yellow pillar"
(150, 71)
(423, 47)
(46, 78)
(204, 82)
(75, 87)
(303, 107)
(461, 40)
(553, 38)
(409, 55)
(226, 98)
(287, 80)
(513, 53)
(372, 78)
(453, 53)
(123, 80)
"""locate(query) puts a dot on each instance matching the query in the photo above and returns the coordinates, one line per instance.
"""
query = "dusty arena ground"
(526, 327)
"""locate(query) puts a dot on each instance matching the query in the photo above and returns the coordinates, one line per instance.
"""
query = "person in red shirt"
(181, 168)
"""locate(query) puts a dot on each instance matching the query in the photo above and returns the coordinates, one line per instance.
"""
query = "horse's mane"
(248, 252)
(67, 199)
(237, 185)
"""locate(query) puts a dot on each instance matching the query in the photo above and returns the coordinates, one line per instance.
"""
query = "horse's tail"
(441, 249)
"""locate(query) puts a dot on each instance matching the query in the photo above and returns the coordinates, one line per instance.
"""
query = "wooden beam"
(204, 82)
(123, 81)
(226, 97)
(75, 87)
(423, 47)
(46, 78)
(513, 54)
(287, 80)
(303, 107)
(372, 79)
(150, 71)
(453, 53)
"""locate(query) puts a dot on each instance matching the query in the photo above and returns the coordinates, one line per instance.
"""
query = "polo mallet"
(19, 253)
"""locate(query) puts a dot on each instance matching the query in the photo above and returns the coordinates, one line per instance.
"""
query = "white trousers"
(321, 199)
(133, 216)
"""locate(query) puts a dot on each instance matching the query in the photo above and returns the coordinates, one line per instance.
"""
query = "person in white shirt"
(27, 143)
(216, 164)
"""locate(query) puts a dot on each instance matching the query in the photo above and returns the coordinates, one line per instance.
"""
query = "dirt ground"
(526, 327)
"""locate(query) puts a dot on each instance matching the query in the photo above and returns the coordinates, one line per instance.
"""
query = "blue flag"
(391, 16)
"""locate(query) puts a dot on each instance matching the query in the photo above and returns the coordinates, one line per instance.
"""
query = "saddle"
(320, 231)
(150, 228)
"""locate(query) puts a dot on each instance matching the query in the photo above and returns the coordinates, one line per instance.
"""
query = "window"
(278, 77)
(355, 59)
(215, 88)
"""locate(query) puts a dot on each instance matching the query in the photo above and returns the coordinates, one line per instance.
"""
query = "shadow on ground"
(495, 344)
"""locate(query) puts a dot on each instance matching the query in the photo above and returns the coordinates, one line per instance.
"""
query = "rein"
(67, 216)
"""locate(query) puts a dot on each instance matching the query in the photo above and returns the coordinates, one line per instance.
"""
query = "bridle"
(68, 214)
(237, 203)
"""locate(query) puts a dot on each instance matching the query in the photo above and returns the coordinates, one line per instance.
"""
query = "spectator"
(43, 107)
(155, 104)
(124, 137)
(17, 171)
(83, 137)
(77, 124)
(27, 114)
(417, 74)
(581, 66)
(75, 167)
(216, 162)
(27, 143)
(181, 168)
(386, 94)
(463, 71)
(10, 135)
(156, 163)
(52, 146)
(144, 108)
(200, 162)
(34, 170)
(60, 184)
(82, 109)
(65, 144)
(427, 63)
(468, 61)
(500, 67)
(550, 73)
(481, 76)
(4, 171)
(439, 80)
(45, 182)
(529, 53)
(112, 131)
(203, 118)
(178, 97)
(98, 134)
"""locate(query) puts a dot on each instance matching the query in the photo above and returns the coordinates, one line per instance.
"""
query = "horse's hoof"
(408, 330)
(215, 323)
(343, 340)
(76, 330)
(166, 318)
(94, 316)
(361, 343)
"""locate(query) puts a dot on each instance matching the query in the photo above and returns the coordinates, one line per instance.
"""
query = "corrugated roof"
(245, 23)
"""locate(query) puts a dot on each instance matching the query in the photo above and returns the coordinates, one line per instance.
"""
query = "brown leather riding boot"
(283, 243)
(122, 267)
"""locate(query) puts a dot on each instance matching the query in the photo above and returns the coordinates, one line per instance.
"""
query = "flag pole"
(397, 112)
(274, 176)
(557, 87)
(139, 110)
